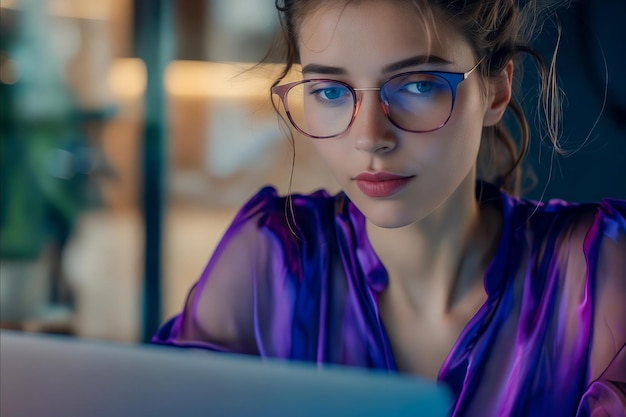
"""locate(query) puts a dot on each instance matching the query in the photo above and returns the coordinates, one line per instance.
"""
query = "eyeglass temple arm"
(467, 74)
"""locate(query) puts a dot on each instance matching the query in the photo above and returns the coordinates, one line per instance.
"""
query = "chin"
(389, 223)
(388, 215)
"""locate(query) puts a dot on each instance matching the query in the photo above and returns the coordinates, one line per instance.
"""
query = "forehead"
(371, 34)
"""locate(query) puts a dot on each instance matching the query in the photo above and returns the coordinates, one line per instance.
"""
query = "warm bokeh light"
(127, 79)
(79, 9)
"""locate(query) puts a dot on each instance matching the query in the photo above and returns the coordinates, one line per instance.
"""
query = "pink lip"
(381, 184)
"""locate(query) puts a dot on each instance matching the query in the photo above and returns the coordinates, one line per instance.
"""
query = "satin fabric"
(299, 280)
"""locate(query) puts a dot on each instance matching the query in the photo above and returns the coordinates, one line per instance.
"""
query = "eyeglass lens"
(417, 102)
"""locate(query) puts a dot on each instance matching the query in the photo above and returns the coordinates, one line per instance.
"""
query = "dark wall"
(592, 49)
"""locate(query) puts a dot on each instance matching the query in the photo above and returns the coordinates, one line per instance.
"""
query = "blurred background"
(132, 131)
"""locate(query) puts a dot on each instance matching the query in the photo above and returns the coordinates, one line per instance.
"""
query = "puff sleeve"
(242, 296)
(605, 396)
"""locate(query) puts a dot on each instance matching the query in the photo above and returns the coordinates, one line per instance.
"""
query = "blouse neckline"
(376, 276)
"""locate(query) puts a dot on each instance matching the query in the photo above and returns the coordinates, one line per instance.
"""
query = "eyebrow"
(396, 66)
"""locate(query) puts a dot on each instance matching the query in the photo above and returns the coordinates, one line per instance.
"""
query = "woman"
(419, 266)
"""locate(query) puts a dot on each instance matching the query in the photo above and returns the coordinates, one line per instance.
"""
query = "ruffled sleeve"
(605, 246)
(239, 292)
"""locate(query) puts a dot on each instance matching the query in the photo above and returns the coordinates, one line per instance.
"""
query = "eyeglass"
(415, 101)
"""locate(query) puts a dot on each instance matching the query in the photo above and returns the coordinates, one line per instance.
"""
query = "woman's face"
(363, 45)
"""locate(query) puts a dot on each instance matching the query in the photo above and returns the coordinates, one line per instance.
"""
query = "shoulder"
(275, 230)
(267, 202)
(585, 239)
(297, 215)
(556, 218)
(574, 244)
(595, 232)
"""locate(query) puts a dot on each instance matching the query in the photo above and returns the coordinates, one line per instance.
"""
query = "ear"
(500, 87)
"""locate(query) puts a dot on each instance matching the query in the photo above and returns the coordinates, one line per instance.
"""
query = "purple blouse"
(549, 341)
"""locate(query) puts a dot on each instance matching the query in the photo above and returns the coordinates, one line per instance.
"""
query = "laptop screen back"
(62, 376)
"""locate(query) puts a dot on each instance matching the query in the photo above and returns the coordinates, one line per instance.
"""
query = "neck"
(437, 260)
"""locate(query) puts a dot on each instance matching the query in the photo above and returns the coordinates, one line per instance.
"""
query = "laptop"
(52, 375)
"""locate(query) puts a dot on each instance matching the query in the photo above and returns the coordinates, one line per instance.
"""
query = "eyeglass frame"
(452, 78)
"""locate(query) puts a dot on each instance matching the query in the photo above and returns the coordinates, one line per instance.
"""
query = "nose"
(371, 129)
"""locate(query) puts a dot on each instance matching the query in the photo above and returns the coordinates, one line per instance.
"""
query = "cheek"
(464, 129)
(451, 152)
(330, 153)
(464, 146)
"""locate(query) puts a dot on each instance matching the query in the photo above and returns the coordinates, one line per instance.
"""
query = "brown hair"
(498, 31)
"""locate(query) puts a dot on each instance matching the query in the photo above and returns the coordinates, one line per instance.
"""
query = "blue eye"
(329, 93)
(419, 87)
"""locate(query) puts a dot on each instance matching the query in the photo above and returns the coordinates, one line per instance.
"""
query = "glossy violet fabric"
(549, 340)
